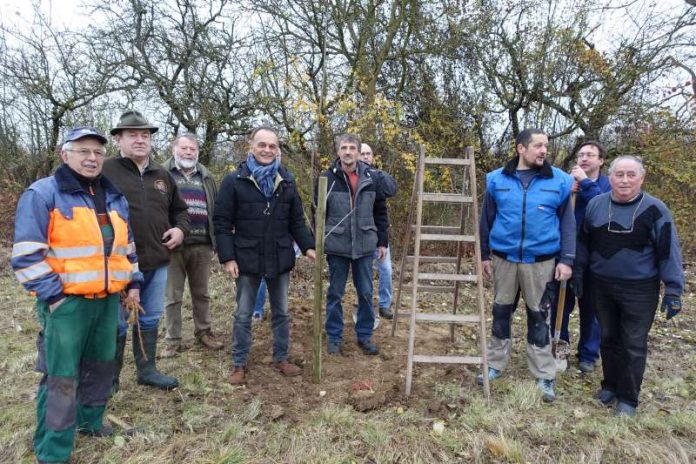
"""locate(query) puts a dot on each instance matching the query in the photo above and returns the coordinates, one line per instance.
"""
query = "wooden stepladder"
(453, 273)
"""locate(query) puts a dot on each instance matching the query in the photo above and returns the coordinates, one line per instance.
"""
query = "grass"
(207, 421)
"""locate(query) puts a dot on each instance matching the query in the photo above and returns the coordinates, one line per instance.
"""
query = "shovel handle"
(559, 311)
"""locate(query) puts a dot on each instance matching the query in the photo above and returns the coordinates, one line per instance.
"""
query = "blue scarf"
(264, 175)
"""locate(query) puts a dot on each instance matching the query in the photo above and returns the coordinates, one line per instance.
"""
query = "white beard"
(185, 163)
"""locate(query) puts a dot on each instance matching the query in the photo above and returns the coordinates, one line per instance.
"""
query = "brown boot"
(170, 351)
(288, 369)
(208, 340)
(237, 376)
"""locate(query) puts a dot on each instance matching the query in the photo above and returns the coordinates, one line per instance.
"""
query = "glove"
(671, 304)
(576, 283)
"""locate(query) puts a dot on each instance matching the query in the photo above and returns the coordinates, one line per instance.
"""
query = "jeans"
(362, 279)
(590, 333)
(151, 299)
(247, 290)
(260, 299)
(384, 270)
(625, 311)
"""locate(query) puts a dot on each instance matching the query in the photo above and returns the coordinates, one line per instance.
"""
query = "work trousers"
(76, 349)
(626, 311)
(192, 261)
(531, 280)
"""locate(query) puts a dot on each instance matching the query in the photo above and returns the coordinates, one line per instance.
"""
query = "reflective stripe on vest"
(75, 252)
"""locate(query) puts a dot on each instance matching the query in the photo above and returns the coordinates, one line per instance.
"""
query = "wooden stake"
(318, 283)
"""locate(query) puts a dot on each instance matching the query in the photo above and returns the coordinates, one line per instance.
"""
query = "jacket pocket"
(368, 238)
(337, 240)
(285, 254)
(248, 255)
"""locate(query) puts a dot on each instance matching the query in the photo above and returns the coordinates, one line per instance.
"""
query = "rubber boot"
(147, 371)
(120, 348)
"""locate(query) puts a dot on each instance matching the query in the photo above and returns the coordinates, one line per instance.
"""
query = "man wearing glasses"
(589, 182)
(74, 251)
(160, 220)
(629, 242)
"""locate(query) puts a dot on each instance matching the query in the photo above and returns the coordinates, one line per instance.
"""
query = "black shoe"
(105, 431)
(145, 363)
(586, 367)
(368, 348)
(606, 397)
(386, 313)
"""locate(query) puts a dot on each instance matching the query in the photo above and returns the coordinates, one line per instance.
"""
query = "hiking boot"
(170, 350)
(606, 397)
(624, 410)
(368, 347)
(333, 347)
(147, 373)
(386, 313)
(237, 376)
(208, 340)
(546, 387)
(288, 369)
(105, 431)
(586, 367)
(493, 374)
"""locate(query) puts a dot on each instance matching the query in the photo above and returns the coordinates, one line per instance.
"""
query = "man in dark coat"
(258, 214)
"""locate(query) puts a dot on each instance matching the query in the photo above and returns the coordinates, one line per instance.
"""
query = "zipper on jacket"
(524, 214)
(106, 258)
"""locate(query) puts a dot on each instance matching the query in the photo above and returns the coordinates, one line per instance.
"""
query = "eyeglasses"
(85, 152)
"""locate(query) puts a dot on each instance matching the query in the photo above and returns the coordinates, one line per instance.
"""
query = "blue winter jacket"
(526, 227)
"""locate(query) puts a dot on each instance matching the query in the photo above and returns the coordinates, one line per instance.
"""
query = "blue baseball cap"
(77, 133)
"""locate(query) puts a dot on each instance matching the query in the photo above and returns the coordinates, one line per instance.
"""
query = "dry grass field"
(358, 414)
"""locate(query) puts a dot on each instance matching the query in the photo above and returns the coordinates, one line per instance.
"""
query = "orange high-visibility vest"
(76, 253)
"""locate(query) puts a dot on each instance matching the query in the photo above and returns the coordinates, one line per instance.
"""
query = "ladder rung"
(433, 259)
(426, 229)
(450, 161)
(452, 277)
(425, 358)
(447, 198)
(443, 317)
(431, 288)
(448, 237)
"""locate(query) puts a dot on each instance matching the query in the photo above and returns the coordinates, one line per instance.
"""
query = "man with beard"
(192, 259)
(527, 234)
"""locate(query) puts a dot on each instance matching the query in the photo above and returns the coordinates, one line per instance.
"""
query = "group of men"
(102, 238)
(100, 235)
(625, 243)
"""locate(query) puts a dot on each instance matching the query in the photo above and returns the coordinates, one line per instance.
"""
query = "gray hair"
(67, 146)
(635, 158)
(187, 135)
(350, 138)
